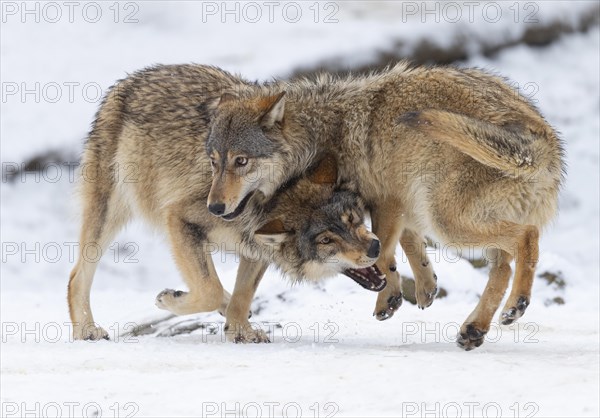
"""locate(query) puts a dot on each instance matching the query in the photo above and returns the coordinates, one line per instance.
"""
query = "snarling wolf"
(456, 154)
(146, 156)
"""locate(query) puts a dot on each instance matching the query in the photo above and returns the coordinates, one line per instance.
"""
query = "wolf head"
(246, 151)
(316, 229)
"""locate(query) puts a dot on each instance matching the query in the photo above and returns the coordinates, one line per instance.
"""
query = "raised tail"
(515, 150)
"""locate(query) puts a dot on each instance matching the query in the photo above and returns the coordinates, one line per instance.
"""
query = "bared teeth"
(367, 277)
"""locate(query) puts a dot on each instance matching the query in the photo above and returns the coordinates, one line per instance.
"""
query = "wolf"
(145, 156)
(447, 152)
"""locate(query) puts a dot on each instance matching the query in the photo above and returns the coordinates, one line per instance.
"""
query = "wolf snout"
(217, 208)
(374, 249)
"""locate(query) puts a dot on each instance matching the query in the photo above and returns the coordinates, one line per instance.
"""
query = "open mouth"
(239, 209)
(371, 278)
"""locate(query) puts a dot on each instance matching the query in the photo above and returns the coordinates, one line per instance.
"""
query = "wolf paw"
(169, 298)
(393, 303)
(470, 337)
(510, 315)
(425, 299)
(244, 333)
(90, 332)
(426, 294)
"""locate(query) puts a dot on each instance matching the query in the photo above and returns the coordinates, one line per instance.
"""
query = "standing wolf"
(146, 156)
(452, 153)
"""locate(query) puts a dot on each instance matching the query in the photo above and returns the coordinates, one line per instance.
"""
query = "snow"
(546, 365)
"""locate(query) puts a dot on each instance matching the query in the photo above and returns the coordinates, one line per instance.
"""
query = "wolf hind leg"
(103, 216)
(477, 324)
(513, 241)
(526, 259)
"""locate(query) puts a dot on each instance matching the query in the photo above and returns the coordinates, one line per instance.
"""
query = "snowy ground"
(329, 357)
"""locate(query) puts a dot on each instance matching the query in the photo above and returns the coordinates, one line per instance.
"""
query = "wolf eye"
(241, 161)
(325, 240)
(351, 218)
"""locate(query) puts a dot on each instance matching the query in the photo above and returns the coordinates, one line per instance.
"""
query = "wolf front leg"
(237, 327)
(386, 219)
(414, 247)
(191, 250)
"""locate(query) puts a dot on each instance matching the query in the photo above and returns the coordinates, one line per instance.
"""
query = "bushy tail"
(514, 150)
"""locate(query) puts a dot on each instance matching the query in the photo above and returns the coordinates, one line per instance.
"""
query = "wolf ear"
(272, 108)
(271, 233)
(226, 97)
(325, 172)
(213, 103)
